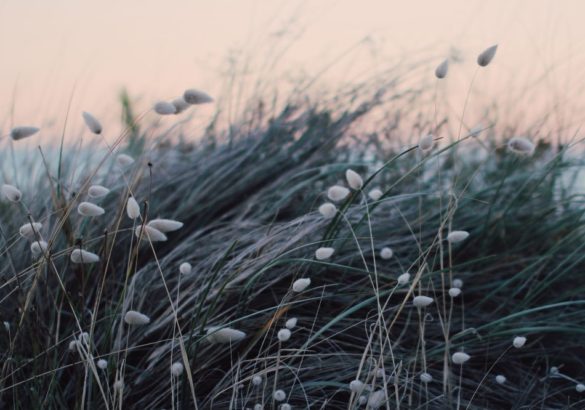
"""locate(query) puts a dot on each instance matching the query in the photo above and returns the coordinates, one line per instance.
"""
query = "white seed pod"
(73, 345)
(500, 379)
(377, 399)
(454, 292)
(102, 364)
(285, 406)
(11, 193)
(185, 268)
(580, 387)
(134, 318)
(442, 69)
(519, 341)
(403, 279)
(354, 180)
(38, 247)
(83, 256)
(147, 233)
(195, 97)
(29, 230)
(457, 283)
(426, 142)
(356, 386)
(19, 133)
(165, 225)
(283, 335)
(486, 56)
(132, 208)
(426, 377)
(375, 194)
(224, 335)
(460, 358)
(124, 160)
(291, 323)
(521, 146)
(89, 209)
(92, 123)
(257, 380)
(422, 301)
(177, 369)
(118, 385)
(180, 105)
(164, 108)
(84, 338)
(337, 193)
(328, 210)
(362, 400)
(258, 406)
(324, 253)
(301, 284)
(457, 236)
(554, 370)
(279, 395)
(386, 253)
(97, 191)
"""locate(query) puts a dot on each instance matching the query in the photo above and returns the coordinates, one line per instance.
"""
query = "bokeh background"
(84, 52)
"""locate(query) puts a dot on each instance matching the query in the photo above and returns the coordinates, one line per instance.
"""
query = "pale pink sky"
(158, 48)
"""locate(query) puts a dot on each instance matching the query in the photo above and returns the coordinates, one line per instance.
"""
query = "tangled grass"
(248, 200)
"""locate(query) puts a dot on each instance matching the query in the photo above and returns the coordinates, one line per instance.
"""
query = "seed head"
(354, 180)
(422, 301)
(324, 253)
(356, 386)
(328, 210)
(11, 193)
(487, 56)
(89, 209)
(118, 385)
(580, 387)
(164, 108)
(377, 399)
(149, 233)
(124, 160)
(92, 123)
(291, 323)
(386, 253)
(426, 142)
(460, 358)
(426, 377)
(195, 97)
(457, 236)
(19, 133)
(500, 379)
(82, 256)
(375, 194)
(102, 364)
(132, 208)
(38, 247)
(454, 292)
(283, 335)
(285, 406)
(337, 193)
(279, 395)
(185, 268)
(177, 369)
(403, 279)
(165, 225)
(97, 191)
(257, 380)
(180, 105)
(301, 284)
(457, 283)
(521, 146)
(135, 318)
(224, 335)
(519, 341)
(29, 230)
(442, 69)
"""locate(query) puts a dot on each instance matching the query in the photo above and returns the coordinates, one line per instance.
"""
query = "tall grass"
(249, 199)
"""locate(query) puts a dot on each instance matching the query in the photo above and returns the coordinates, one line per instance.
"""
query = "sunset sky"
(54, 49)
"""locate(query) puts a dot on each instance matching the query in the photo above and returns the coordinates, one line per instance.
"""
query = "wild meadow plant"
(289, 264)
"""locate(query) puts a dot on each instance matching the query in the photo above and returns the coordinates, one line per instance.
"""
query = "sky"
(82, 53)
